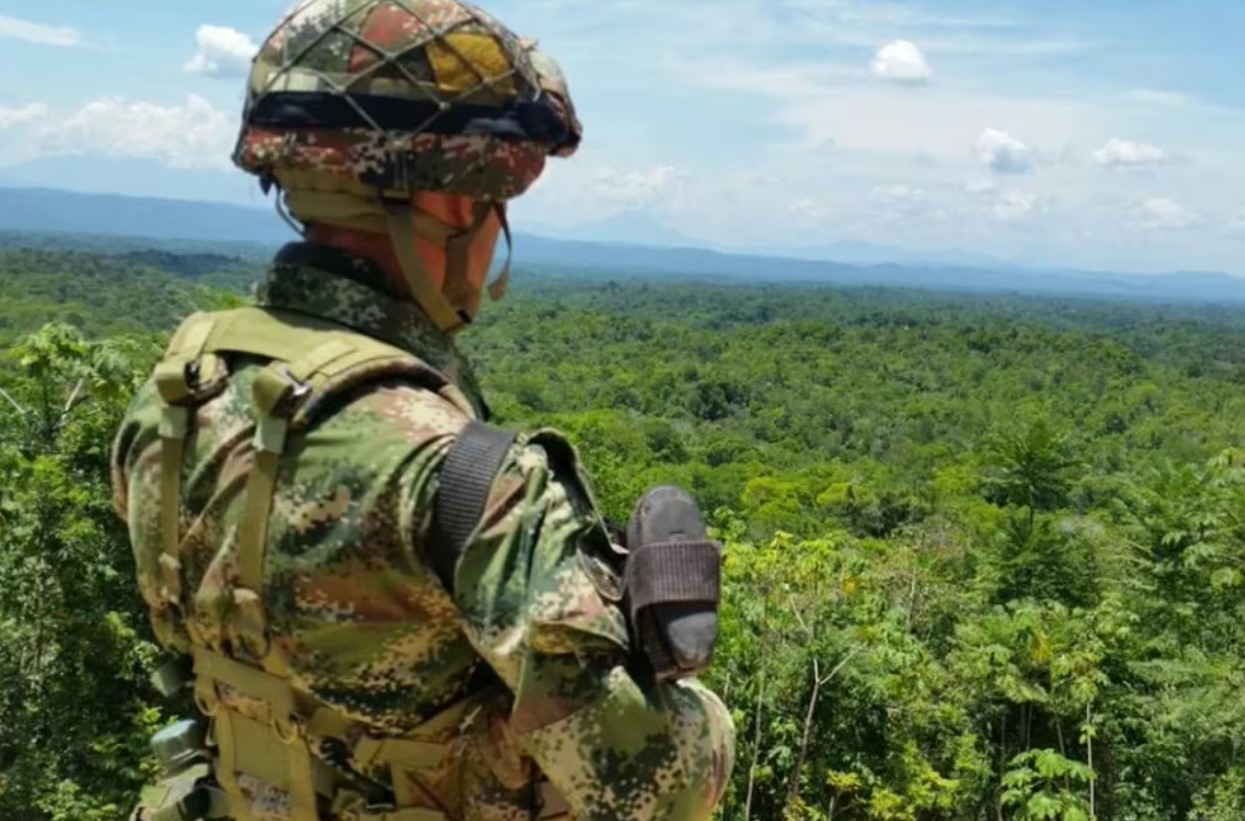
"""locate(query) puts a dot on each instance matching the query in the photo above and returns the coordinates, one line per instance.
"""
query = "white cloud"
(10, 117)
(1013, 205)
(1160, 213)
(223, 52)
(901, 62)
(1119, 154)
(194, 134)
(902, 204)
(1003, 153)
(635, 189)
(13, 28)
(806, 212)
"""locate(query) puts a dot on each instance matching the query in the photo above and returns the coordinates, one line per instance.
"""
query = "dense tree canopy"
(986, 555)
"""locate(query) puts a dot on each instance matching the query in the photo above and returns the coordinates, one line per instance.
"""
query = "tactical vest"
(310, 361)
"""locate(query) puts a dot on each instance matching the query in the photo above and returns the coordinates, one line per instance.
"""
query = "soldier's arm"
(539, 602)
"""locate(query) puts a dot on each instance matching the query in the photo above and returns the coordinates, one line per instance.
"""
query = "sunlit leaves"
(73, 710)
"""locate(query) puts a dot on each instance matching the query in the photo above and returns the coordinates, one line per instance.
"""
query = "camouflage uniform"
(369, 631)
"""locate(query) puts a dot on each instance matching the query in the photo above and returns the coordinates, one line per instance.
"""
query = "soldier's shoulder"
(550, 449)
(401, 411)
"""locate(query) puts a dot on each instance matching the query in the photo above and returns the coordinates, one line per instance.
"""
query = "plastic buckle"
(173, 677)
(276, 388)
(299, 388)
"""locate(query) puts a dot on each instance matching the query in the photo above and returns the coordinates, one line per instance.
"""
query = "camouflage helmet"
(403, 96)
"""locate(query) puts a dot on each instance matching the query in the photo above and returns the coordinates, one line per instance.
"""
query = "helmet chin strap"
(407, 223)
(401, 222)
(497, 291)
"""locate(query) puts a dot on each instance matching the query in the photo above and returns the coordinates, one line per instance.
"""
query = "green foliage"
(985, 556)
(74, 707)
(1042, 785)
(107, 295)
(1032, 466)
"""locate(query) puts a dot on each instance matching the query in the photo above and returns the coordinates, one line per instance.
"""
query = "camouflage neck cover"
(452, 305)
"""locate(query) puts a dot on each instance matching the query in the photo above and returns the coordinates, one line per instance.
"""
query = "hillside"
(105, 295)
(984, 552)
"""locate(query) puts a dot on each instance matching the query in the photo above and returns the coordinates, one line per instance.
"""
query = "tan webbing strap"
(226, 768)
(186, 346)
(208, 701)
(289, 336)
(415, 751)
(458, 289)
(430, 227)
(423, 289)
(302, 786)
(247, 680)
(409, 753)
(410, 760)
(174, 427)
(238, 737)
(173, 382)
(552, 803)
(269, 444)
(408, 814)
(298, 368)
(276, 390)
(273, 391)
(498, 290)
(349, 806)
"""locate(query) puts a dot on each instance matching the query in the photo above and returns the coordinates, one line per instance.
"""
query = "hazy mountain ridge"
(182, 226)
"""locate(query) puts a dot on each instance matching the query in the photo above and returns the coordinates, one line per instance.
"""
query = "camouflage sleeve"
(540, 604)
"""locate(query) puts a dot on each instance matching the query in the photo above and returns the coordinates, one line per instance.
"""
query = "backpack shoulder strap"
(466, 479)
(178, 378)
(310, 361)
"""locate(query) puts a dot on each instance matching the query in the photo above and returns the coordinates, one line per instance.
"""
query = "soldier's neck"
(375, 248)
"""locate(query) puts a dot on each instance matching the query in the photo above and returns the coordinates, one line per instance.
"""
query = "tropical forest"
(984, 552)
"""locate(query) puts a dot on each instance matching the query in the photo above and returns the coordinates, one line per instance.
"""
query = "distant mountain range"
(636, 228)
(141, 178)
(43, 210)
(177, 223)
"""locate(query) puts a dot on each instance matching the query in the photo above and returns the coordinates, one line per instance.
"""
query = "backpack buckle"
(277, 389)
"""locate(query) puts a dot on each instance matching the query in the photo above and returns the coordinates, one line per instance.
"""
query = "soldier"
(385, 609)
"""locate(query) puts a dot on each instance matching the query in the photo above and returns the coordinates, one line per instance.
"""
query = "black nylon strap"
(537, 119)
(671, 572)
(466, 480)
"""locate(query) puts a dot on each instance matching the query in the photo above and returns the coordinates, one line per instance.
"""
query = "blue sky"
(1101, 134)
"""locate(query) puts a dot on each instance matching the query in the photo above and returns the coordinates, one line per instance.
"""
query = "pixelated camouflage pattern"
(399, 322)
(482, 167)
(367, 630)
(441, 51)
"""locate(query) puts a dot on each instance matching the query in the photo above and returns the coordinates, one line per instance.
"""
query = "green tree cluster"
(985, 555)
(74, 703)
